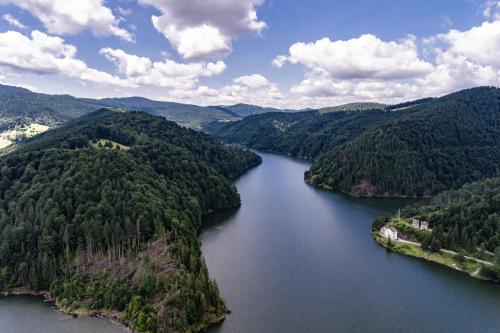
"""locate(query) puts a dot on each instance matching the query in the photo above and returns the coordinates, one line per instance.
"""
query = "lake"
(294, 258)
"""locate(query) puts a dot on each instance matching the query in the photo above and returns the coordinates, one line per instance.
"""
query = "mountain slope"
(104, 213)
(435, 146)
(412, 149)
(245, 110)
(354, 107)
(184, 114)
(19, 106)
(464, 219)
(302, 134)
(464, 229)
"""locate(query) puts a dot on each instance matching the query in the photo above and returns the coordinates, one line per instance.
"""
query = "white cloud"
(197, 42)
(128, 64)
(359, 58)
(280, 61)
(252, 89)
(369, 69)
(252, 81)
(13, 21)
(72, 16)
(480, 44)
(44, 54)
(204, 29)
(491, 9)
(167, 73)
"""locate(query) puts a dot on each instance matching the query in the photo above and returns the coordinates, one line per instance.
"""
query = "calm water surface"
(27, 314)
(294, 258)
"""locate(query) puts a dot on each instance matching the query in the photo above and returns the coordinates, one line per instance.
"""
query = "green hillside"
(435, 146)
(19, 106)
(353, 107)
(245, 110)
(414, 149)
(104, 213)
(465, 229)
(303, 134)
(184, 114)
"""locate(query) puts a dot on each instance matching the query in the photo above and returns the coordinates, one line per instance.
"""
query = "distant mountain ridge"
(354, 107)
(245, 110)
(20, 106)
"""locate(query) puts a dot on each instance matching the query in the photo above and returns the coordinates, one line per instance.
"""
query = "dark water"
(26, 314)
(297, 259)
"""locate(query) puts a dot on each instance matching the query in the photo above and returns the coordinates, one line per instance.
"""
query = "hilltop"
(353, 107)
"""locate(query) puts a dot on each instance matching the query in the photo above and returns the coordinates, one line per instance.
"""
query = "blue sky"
(270, 52)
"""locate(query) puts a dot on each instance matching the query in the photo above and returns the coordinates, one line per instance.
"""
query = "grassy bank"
(465, 265)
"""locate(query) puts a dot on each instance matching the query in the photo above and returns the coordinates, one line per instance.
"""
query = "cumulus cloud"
(13, 21)
(252, 89)
(369, 69)
(252, 81)
(72, 16)
(480, 44)
(167, 73)
(44, 54)
(359, 58)
(204, 29)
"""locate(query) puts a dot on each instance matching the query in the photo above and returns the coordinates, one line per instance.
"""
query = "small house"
(415, 223)
(389, 233)
(424, 225)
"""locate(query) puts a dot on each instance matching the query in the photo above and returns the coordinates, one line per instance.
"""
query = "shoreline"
(436, 258)
(112, 316)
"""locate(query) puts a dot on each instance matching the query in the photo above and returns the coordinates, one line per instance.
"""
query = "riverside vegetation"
(465, 229)
(103, 214)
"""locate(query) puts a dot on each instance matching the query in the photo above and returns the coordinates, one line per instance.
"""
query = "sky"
(280, 53)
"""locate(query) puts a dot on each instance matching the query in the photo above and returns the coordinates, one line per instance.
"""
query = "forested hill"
(413, 149)
(245, 110)
(302, 134)
(467, 221)
(104, 213)
(19, 106)
(434, 146)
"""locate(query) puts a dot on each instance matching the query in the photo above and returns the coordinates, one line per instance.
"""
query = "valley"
(102, 213)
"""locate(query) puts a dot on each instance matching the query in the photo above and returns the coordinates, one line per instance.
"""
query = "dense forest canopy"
(437, 145)
(103, 213)
(464, 219)
(303, 134)
(412, 149)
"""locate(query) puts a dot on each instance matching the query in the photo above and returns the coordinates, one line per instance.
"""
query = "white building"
(424, 225)
(389, 233)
